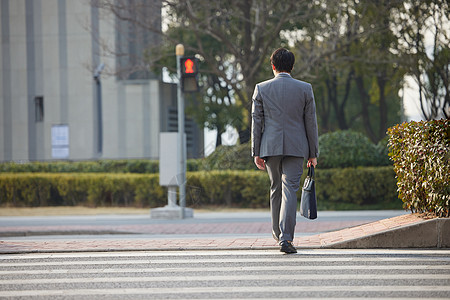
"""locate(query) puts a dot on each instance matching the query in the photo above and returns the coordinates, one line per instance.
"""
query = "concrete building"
(49, 108)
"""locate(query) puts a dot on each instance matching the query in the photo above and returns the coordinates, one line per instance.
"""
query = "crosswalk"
(330, 274)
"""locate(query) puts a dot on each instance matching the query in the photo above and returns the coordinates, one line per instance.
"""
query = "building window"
(39, 109)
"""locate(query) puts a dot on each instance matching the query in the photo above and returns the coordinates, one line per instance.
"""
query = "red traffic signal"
(189, 71)
(189, 66)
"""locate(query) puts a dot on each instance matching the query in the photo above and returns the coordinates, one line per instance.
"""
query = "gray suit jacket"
(284, 118)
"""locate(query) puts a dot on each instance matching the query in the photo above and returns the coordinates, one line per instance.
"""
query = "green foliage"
(420, 151)
(350, 188)
(383, 152)
(99, 166)
(355, 74)
(347, 148)
(229, 188)
(364, 187)
(89, 189)
(233, 41)
(424, 45)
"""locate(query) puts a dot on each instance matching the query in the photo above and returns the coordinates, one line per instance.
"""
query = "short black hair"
(283, 60)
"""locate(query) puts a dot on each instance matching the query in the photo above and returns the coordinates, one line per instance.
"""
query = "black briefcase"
(308, 202)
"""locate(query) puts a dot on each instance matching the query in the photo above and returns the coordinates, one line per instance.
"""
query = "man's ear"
(273, 67)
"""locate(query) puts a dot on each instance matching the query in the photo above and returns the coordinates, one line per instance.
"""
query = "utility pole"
(172, 158)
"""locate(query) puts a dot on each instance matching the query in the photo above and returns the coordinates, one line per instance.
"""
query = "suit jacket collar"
(283, 75)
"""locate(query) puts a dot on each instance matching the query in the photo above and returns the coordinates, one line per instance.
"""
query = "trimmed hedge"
(141, 166)
(421, 155)
(365, 187)
(360, 188)
(89, 189)
(343, 149)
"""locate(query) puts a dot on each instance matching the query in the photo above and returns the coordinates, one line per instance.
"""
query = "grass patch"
(69, 210)
(82, 210)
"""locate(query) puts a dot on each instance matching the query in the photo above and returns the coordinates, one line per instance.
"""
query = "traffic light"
(189, 71)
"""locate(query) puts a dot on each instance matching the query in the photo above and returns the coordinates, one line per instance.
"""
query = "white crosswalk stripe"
(330, 274)
(223, 269)
(189, 261)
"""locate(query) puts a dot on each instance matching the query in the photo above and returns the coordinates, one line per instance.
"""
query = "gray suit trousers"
(284, 173)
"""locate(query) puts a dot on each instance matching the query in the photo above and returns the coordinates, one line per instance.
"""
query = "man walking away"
(284, 133)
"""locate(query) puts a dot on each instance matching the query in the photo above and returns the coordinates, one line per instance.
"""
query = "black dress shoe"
(287, 247)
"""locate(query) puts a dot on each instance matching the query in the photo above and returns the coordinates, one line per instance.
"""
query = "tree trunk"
(364, 98)
(331, 84)
(381, 80)
(346, 95)
(219, 137)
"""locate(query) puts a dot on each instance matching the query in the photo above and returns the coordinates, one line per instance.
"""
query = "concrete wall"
(50, 49)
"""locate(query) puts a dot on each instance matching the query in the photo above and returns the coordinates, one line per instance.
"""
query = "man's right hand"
(312, 161)
(260, 163)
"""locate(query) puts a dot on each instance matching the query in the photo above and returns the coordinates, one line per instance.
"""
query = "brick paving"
(322, 240)
(197, 228)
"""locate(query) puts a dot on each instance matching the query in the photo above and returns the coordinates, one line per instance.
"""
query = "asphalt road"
(237, 224)
(199, 218)
(337, 274)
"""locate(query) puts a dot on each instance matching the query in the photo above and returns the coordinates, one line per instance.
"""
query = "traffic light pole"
(172, 162)
(179, 51)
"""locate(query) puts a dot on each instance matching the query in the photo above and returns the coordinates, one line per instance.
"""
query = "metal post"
(179, 51)
(97, 79)
(172, 196)
(173, 161)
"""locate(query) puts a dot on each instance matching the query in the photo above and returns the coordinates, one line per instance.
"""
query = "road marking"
(216, 290)
(230, 269)
(227, 274)
(219, 260)
(189, 253)
(233, 277)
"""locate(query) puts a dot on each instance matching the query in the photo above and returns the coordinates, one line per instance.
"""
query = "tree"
(233, 39)
(349, 50)
(215, 107)
(323, 59)
(379, 66)
(350, 46)
(422, 29)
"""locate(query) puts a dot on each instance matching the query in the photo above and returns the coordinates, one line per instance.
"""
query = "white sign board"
(60, 141)
(168, 159)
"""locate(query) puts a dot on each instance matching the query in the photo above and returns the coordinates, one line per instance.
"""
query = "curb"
(58, 232)
(432, 233)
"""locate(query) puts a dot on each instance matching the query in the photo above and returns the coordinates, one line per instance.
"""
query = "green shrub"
(89, 189)
(141, 166)
(98, 166)
(420, 151)
(366, 187)
(383, 153)
(349, 188)
(342, 149)
(229, 188)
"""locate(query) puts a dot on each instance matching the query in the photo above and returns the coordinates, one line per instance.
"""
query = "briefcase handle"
(311, 171)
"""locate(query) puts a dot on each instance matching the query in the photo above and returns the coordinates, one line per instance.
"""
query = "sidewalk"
(203, 236)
